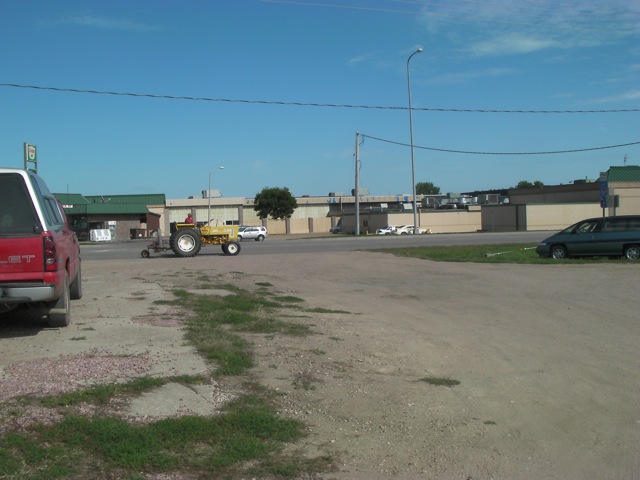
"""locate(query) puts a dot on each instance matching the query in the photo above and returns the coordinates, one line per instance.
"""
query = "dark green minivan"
(610, 236)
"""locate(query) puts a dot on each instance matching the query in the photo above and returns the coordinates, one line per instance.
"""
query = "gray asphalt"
(320, 243)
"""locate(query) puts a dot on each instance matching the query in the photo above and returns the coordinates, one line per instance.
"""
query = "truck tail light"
(49, 254)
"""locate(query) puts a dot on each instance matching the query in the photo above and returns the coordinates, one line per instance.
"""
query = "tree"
(427, 188)
(527, 184)
(275, 202)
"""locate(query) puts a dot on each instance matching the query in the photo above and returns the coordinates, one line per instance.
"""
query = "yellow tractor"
(187, 239)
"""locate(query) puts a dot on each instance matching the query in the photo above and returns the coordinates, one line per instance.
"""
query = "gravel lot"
(547, 358)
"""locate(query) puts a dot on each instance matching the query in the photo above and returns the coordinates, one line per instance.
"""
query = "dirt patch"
(546, 356)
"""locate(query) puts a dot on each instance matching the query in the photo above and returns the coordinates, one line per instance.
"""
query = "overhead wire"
(306, 104)
(466, 152)
(330, 105)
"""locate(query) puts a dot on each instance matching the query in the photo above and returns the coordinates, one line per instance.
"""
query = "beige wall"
(437, 222)
(452, 221)
(559, 216)
(298, 226)
(504, 218)
(629, 194)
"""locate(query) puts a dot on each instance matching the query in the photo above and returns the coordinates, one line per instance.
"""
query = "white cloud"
(365, 57)
(107, 23)
(622, 97)
(510, 27)
(465, 77)
(510, 44)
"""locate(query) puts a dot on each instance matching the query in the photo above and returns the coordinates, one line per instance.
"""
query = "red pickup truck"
(40, 266)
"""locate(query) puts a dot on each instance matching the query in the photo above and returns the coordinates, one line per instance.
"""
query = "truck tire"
(185, 242)
(60, 314)
(231, 248)
(75, 290)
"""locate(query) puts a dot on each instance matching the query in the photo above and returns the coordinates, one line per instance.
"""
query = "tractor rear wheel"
(185, 242)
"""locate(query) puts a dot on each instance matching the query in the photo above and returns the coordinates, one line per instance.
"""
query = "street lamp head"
(221, 168)
(419, 50)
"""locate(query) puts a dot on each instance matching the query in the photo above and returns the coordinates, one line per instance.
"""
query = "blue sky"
(262, 66)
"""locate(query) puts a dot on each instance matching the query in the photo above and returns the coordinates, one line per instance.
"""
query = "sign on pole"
(30, 157)
(604, 194)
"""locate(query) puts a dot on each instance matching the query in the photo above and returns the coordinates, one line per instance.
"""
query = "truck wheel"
(75, 292)
(185, 242)
(233, 248)
(60, 314)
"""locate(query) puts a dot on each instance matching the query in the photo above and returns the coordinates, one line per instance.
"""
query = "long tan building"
(538, 208)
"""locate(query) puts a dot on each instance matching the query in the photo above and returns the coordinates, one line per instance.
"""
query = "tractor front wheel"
(185, 242)
(231, 248)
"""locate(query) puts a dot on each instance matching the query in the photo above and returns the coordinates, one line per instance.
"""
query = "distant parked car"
(609, 236)
(409, 230)
(386, 230)
(255, 233)
(336, 229)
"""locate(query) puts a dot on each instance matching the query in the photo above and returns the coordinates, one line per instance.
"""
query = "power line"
(502, 153)
(303, 104)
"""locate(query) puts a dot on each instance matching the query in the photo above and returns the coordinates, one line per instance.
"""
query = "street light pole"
(413, 169)
(209, 197)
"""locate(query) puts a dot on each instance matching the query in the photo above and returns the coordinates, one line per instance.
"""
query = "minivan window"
(592, 226)
(17, 215)
(621, 224)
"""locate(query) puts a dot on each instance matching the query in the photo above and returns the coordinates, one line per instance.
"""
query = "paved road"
(296, 244)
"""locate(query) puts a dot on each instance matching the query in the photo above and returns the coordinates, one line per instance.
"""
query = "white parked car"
(386, 230)
(254, 233)
(409, 230)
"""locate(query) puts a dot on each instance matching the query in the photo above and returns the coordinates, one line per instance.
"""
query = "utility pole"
(355, 191)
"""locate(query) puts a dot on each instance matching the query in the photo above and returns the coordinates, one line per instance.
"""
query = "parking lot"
(546, 355)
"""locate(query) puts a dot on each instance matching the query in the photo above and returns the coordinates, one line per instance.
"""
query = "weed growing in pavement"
(101, 394)
(305, 381)
(440, 381)
(246, 439)
(248, 432)
(288, 299)
(215, 327)
(324, 310)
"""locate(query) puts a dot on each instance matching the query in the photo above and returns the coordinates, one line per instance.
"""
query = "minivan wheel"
(632, 252)
(260, 238)
(558, 252)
